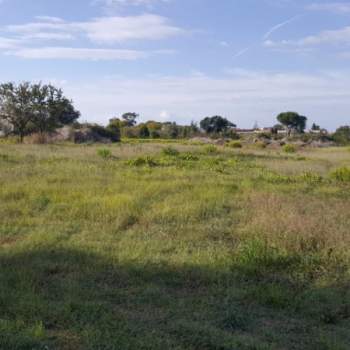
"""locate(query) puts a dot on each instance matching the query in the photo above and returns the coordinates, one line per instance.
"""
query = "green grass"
(173, 246)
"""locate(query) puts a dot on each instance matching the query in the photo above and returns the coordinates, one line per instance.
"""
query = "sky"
(183, 60)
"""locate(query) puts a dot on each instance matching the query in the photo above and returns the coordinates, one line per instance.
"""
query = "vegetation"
(292, 121)
(216, 125)
(289, 148)
(342, 135)
(28, 108)
(170, 245)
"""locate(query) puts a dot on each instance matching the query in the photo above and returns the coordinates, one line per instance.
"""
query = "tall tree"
(16, 108)
(51, 109)
(292, 121)
(216, 124)
(130, 118)
(35, 107)
(342, 135)
(315, 127)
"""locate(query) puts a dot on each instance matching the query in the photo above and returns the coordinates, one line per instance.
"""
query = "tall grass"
(172, 247)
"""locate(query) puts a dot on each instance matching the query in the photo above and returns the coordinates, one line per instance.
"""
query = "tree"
(342, 135)
(315, 127)
(34, 107)
(16, 107)
(292, 121)
(215, 124)
(144, 132)
(130, 118)
(51, 109)
(114, 128)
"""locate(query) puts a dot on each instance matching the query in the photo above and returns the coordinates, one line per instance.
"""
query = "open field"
(206, 248)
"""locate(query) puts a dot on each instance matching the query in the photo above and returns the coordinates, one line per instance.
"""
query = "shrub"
(341, 174)
(143, 161)
(260, 144)
(289, 148)
(104, 153)
(342, 135)
(210, 149)
(170, 151)
(188, 157)
(235, 144)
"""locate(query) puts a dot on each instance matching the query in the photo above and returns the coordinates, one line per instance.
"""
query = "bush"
(104, 153)
(341, 174)
(260, 144)
(289, 148)
(188, 157)
(170, 151)
(143, 161)
(235, 144)
(342, 135)
(210, 149)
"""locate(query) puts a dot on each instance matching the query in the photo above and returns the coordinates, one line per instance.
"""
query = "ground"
(181, 246)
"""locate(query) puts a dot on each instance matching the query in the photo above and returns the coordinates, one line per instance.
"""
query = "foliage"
(210, 149)
(315, 127)
(143, 161)
(114, 129)
(341, 174)
(170, 151)
(144, 131)
(29, 108)
(130, 118)
(342, 135)
(104, 153)
(289, 148)
(292, 121)
(235, 144)
(215, 125)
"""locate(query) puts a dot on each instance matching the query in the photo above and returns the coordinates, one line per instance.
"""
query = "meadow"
(174, 246)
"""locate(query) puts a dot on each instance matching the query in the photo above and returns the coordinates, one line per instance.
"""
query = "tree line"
(27, 109)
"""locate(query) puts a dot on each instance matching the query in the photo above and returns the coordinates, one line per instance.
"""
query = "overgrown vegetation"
(173, 246)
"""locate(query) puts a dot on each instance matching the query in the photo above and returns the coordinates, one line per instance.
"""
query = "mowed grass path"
(204, 248)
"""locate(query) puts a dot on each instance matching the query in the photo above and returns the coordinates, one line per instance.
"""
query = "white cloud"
(337, 7)
(6, 43)
(102, 30)
(110, 5)
(328, 37)
(119, 29)
(25, 40)
(78, 54)
(50, 19)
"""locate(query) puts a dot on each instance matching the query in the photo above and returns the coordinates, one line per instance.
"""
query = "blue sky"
(183, 60)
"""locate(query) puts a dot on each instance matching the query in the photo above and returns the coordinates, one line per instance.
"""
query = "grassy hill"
(186, 247)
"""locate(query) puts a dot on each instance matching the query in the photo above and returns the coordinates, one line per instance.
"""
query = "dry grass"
(201, 249)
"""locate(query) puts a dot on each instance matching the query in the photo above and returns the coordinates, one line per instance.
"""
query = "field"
(173, 246)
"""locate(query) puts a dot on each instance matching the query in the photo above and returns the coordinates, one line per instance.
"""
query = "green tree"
(315, 127)
(215, 125)
(16, 107)
(51, 109)
(130, 118)
(34, 107)
(114, 127)
(292, 121)
(144, 132)
(342, 135)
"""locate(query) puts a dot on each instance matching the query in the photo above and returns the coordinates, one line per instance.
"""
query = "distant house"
(263, 130)
(244, 131)
(319, 132)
